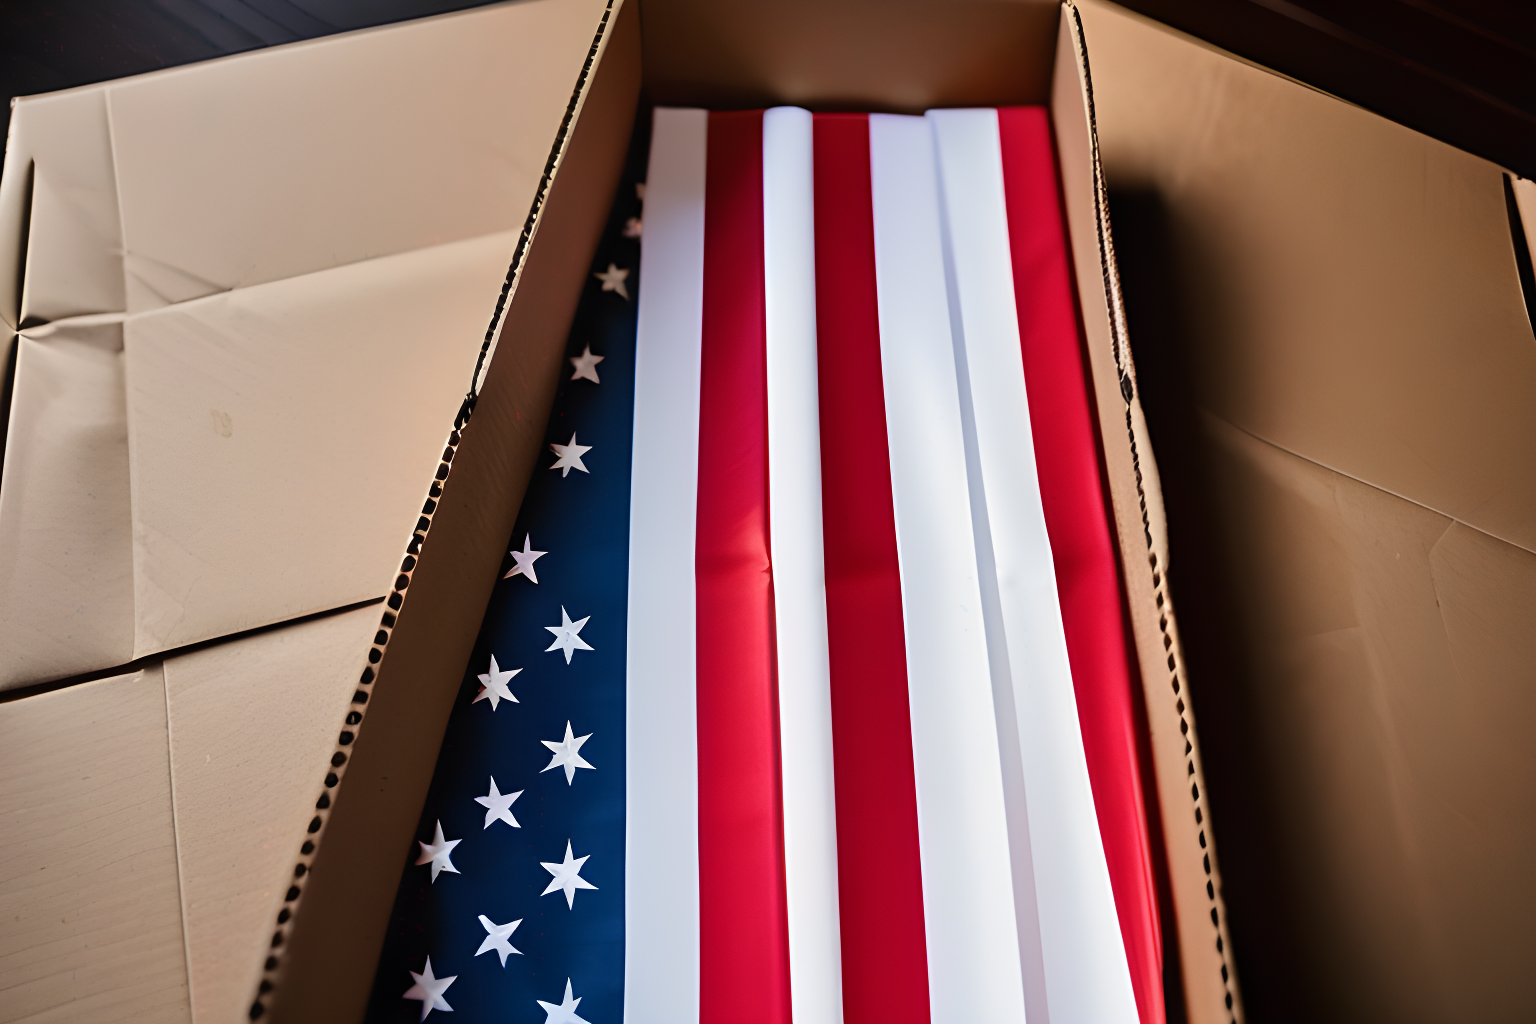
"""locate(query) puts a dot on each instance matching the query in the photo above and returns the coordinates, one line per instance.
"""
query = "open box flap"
(162, 802)
(240, 794)
(330, 947)
(362, 188)
(1208, 975)
(1372, 318)
(1345, 372)
(302, 394)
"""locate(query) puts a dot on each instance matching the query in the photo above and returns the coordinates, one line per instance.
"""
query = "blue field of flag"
(514, 912)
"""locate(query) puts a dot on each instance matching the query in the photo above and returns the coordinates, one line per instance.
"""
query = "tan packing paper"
(58, 211)
(241, 183)
(400, 313)
(1363, 372)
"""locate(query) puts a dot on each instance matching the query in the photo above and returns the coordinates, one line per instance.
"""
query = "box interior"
(824, 56)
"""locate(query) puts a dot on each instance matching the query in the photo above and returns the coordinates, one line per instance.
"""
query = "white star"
(613, 280)
(570, 456)
(429, 990)
(522, 561)
(493, 685)
(497, 936)
(567, 876)
(566, 754)
(632, 227)
(498, 805)
(566, 638)
(439, 852)
(565, 1013)
(586, 365)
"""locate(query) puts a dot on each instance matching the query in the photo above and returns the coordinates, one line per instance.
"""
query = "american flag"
(805, 695)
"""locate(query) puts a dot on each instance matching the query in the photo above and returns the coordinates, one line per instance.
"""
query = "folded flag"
(837, 721)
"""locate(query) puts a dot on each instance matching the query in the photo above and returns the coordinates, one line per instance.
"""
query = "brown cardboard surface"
(249, 720)
(88, 886)
(332, 946)
(1363, 306)
(1340, 372)
(249, 409)
(1396, 651)
(894, 55)
(1525, 200)
(58, 204)
(69, 396)
(154, 815)
(1207, 974)
(361, 188)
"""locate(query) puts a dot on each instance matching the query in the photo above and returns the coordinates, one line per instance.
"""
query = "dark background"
(1461, 70)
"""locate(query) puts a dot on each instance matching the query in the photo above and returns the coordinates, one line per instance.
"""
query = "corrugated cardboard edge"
(327, 938)
(1205, 949)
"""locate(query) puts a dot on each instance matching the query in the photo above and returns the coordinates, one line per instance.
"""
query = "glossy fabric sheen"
(885, 967)
(743, 931)
(1074, 496)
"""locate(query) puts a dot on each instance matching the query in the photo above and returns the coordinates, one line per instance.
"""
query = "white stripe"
(968, 903)
(1015, 798)
(799, 584)
(1086, 975)
(661, 874)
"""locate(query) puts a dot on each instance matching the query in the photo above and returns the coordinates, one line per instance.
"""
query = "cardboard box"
(1328, 264)
(904, 57)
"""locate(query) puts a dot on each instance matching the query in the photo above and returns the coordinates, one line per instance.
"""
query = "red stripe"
(1077, 519)
(880, 884)
(743, 924)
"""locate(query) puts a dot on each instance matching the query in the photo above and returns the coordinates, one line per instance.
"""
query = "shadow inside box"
(1173, 292)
